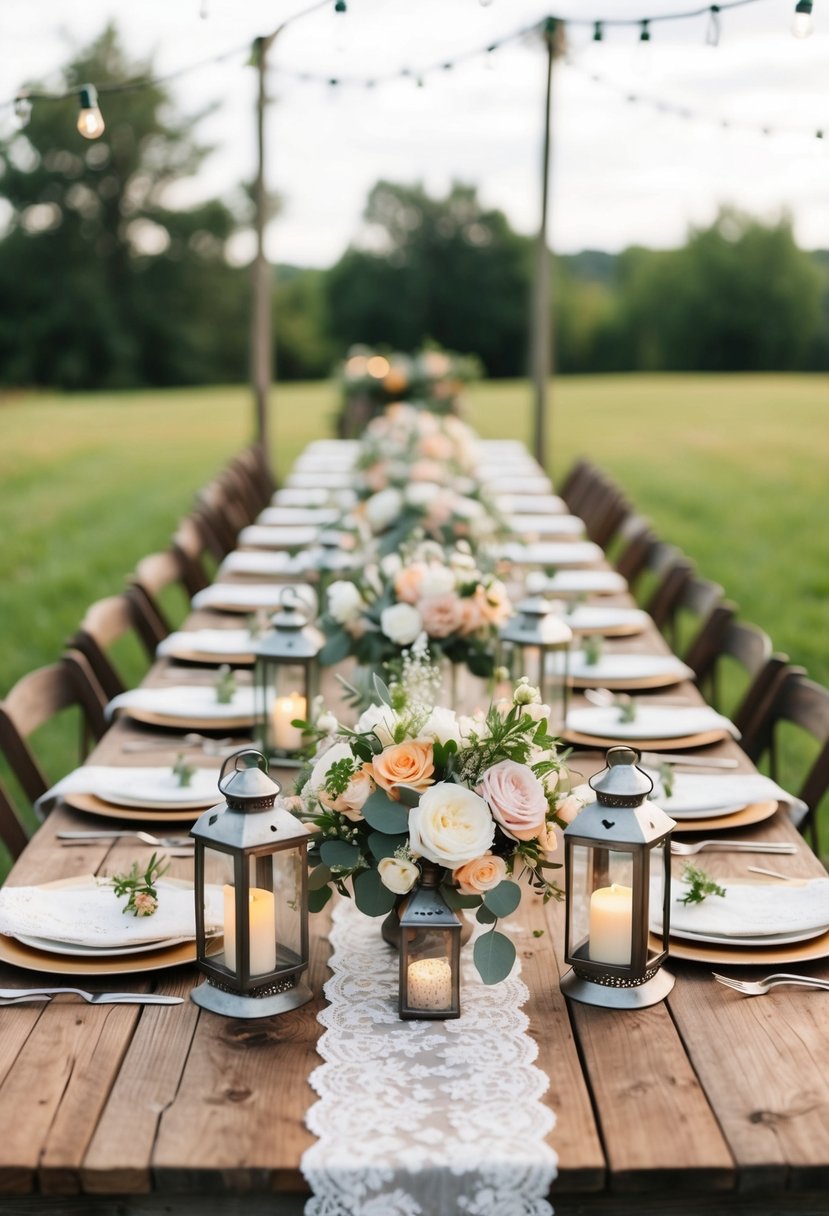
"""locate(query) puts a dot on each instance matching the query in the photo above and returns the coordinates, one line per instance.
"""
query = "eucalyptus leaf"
(335, 649)
(340, 853)
(318, 877)
(384, 815)
(494, 955)
(484, 916)
(456, 899)
(318, 899)
(503, 899)
(382, 845)
(408, 796)
(382, 689)
(371, 896)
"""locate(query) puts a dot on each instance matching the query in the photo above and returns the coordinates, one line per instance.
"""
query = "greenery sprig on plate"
(140, 887)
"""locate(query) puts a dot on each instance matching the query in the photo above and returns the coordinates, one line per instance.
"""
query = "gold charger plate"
(151, 718)
(740, 956)
(14, 952)
(755, 812)
(213, 657)
(642, 682)
(676, 743)
(607, 631)
(90, 805)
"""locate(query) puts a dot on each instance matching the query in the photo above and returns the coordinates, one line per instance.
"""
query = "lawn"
(732, 469)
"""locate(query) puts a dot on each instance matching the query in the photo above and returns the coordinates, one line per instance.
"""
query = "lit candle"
(286, 737)
(430, 984)
(262, 923)
(611, 919)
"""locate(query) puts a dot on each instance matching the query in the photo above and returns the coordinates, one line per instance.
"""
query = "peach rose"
(494, 603)
(547, 838)
(437, 447)
(441, 615)
(407, 582)
(516, 798)
(569, 807)
(425, 470)
(482, 874)
(471, 616)
(351, 801)
(409, 763)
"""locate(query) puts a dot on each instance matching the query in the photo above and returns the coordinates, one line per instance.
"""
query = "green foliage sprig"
(140, 887)
(700, 885)
(183, 771)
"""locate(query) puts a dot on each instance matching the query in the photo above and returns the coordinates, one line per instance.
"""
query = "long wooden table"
(709, 1102)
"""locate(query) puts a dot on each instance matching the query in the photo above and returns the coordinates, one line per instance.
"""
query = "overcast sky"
(622, 172)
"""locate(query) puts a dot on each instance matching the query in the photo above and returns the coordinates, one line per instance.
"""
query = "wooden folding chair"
(636, 542)
(195, 552)
(36, 699)
(728, 645)
(804, 704)
(154, 577)
(675, 571)
(115, 622)
(13, 834)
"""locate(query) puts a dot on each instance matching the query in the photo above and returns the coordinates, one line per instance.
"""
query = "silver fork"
(779, 979)
(680, 849)
(146, 837)
(18, 996)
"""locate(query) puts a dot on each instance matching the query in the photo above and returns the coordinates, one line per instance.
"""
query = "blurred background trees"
(104, 284)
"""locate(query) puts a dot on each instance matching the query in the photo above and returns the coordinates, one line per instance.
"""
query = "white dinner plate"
(52, 946)
(768, 939)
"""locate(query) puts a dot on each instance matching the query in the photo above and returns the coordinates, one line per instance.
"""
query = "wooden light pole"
(261, 329)
(542, 325)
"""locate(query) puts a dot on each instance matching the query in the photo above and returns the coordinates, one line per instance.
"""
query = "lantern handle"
(290, 599)
(261, 762)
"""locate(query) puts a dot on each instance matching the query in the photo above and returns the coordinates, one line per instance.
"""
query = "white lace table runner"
(423, 1118)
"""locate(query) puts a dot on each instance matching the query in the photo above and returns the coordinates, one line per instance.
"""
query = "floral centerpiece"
(372, 379)
(478, 796)
(408, 444)
(385, 607)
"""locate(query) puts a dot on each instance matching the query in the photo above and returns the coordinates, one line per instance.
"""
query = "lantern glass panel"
(429, 975)
(555, 686)
(282, 695)
(219, 878)
(655, 893)
(287, 885)
(601, 905)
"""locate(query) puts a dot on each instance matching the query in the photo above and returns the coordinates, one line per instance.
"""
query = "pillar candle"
(430, 984)
(285, 709)
(611, 917)
(262, 922)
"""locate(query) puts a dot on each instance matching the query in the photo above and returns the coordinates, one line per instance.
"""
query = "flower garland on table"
(442, 598)
(479, 796)
(408, 444)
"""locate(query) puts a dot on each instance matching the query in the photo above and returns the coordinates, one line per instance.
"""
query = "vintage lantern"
(617, 858)
(540, 644)
(251, 877)
(286, 678)
(430, 952)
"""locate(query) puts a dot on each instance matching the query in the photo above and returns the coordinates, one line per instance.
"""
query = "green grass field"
(732, 469)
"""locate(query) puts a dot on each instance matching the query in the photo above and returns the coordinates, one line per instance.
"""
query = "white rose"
(437, 580)
(383, 509)
(450, 825)
(398, 875)
(328, 723)
(340, 751)
(535, 582)
(391, 564)
(441, 725)
(468, 508)
(380, 719)
(401, 623)
(421, 493)
(344, 602)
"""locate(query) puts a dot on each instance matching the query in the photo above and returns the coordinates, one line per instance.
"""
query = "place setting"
(575, 583)
(232, 646)
(250, 597)
(562, 555)
(646, 724)
(596, 666)
(716, 801)
(225, 705)
(153, 794)
(535, 527)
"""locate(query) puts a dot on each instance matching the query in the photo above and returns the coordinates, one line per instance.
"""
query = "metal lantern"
(430, 952)
(252, 878)
(286, 678)
(540, 642)
(617, 858)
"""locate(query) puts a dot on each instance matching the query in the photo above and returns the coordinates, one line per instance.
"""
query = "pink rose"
(516, 798)
(569, 807)
(441, 614)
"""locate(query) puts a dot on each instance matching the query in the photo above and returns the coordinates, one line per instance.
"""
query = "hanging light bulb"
(643, 54)
(489, 62)
(340, 26)
(712, 32)
(598, 32)
(90, 119)
(802, 25)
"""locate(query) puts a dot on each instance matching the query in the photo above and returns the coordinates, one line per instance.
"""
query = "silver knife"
(20, 996)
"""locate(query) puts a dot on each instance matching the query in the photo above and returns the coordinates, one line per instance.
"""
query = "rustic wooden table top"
(710, 1101)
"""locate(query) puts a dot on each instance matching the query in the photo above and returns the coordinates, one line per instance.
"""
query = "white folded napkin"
(293, 517)
(249, 597)
(752, 909)
(307, 496)
(260, 537)
(651, 722)
(553, 553)
(531, 504)
(506, 483)
(207, 642)
(339, 479)
(709, 791)
(265, 563)
(625, 667)
(595, 617)
(91, 915)
(187, 701)
(133, 783)
(576, 582)
(546, 525)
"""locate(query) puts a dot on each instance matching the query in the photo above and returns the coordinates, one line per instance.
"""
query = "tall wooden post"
(543, 345)
(261, 331)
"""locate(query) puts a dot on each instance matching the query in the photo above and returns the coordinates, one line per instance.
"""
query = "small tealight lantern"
(286, 677)
(251, 877)
(540, 642)
(617, 858)
(430, 952)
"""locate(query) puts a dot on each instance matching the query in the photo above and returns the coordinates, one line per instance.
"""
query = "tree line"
(103, 284)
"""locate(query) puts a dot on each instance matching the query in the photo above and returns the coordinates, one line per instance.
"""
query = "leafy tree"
(102, 282)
